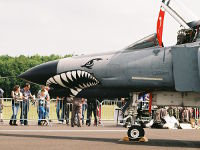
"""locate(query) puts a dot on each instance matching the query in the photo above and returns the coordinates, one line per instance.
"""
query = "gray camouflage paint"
(116, 74)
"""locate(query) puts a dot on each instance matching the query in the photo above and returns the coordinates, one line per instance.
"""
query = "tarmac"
(109, 136)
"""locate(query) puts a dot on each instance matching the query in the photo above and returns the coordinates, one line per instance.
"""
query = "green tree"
(11, 67)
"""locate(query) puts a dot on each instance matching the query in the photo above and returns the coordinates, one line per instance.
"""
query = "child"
(41, 106)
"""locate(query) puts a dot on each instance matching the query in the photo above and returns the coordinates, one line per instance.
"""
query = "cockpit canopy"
(184, 36)
(149, 41)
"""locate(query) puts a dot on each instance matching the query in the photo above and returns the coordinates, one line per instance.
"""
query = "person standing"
(67, 108)
(17, 98)
(25, 104)
(41, 107)
(84, 107)
(92, 107)
(76, 109)
(60, 106)
(47, 102)
(1, 104)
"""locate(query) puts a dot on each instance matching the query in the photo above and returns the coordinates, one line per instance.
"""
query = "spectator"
(47, 102)
(84, 107)
(1, 104)
(92, 107)
(60, 106)
(25, 104)
(17, 97)
(42, 97)
(76, 109)
(67, 108)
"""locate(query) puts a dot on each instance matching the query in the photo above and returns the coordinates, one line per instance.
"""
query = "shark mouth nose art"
(75, 81)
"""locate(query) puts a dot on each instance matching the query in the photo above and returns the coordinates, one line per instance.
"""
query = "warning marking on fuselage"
(147, 78)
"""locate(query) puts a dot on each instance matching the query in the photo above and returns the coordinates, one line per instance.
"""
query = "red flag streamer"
(160, 26)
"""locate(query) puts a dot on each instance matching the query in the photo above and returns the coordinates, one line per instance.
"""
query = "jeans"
(41, 114)
(84, 107)
(24, 112)
(15, 109)
(58, 108)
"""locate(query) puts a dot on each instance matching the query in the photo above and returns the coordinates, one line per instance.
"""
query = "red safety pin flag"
(160, 26)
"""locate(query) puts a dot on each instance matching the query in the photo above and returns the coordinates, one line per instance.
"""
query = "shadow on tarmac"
(152, 142)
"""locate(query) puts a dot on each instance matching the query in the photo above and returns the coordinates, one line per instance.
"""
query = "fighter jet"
(171, 74)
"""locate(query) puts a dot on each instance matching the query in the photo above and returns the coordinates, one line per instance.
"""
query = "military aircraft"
(171, 74)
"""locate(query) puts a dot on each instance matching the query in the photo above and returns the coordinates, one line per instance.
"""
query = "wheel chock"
(143, 139)
(126, 139)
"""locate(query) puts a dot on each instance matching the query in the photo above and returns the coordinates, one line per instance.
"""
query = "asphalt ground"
(60, 137)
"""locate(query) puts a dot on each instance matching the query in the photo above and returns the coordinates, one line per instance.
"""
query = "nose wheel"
(135, 132)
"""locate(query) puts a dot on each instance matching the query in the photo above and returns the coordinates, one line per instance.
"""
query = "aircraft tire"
(135, 132)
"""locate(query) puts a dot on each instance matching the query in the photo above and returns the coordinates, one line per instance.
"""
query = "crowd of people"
(78, 107)
(22, 97)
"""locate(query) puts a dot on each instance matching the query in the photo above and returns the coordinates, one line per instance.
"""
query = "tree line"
(11, 67)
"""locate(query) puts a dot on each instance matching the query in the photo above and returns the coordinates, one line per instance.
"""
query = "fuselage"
(113, 74)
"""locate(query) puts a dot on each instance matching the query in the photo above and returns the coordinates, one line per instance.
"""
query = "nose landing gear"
(135, 131)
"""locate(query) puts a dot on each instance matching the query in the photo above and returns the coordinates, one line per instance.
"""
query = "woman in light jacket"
(17, 98)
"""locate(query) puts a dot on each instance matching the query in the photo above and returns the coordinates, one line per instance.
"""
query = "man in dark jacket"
(92, 107)
(25, 104)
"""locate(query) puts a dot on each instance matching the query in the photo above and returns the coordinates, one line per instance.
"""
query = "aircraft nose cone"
(41, 73)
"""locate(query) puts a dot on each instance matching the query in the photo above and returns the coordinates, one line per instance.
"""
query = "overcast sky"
(62, 27)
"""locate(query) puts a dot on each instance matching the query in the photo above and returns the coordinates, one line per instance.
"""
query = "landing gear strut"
(135, 131)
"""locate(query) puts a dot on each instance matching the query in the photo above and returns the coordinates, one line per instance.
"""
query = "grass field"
(107, 111)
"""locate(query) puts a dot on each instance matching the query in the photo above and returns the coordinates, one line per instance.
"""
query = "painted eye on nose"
(90, 63)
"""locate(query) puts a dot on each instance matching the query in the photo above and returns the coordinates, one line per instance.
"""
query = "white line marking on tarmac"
(63, 130)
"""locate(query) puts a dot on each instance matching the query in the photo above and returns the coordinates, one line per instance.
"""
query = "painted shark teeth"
(63, 76)
(52, 81)
(81, 86)
(78, 89)
(48, 82)
(74, 74)
(79, 73)
(85, 86)
(75, 81)
(57, 78)
(74, 92)
(82, 73)
(69, 75)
